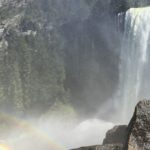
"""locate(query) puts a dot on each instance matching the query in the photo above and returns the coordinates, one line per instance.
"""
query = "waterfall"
(135, 60)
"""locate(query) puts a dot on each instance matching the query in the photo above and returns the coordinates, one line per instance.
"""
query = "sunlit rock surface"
(139, 128)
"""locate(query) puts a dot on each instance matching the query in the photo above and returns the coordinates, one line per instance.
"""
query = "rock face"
(139, 128)
(117, 135)
(48, 48)
(32, 54)
(134, 137)
(55, 50)
(14, 3)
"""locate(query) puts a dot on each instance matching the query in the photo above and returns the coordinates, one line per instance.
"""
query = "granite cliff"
(56, 52)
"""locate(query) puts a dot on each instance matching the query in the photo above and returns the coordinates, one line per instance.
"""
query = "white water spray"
(134, 67)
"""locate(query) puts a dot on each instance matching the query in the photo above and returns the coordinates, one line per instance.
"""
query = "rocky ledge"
(135, 136)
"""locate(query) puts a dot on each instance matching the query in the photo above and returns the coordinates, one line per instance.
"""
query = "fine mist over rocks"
(93, 59)
(64, 72)
(49, 69)
(50, 133)
(57, 52)
(135, 136)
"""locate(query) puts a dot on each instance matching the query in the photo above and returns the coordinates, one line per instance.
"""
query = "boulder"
(139, 128)
(117, 135)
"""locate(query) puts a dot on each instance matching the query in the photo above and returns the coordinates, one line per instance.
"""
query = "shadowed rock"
(117, 135)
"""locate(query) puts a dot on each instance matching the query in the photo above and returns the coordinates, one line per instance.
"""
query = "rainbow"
(4, 147)
(28, 128)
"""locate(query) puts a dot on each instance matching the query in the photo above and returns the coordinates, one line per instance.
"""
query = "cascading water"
(135, 60)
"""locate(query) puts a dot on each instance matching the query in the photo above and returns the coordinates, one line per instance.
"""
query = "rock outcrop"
(117, 135)
(134, 137)
(139, 128)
